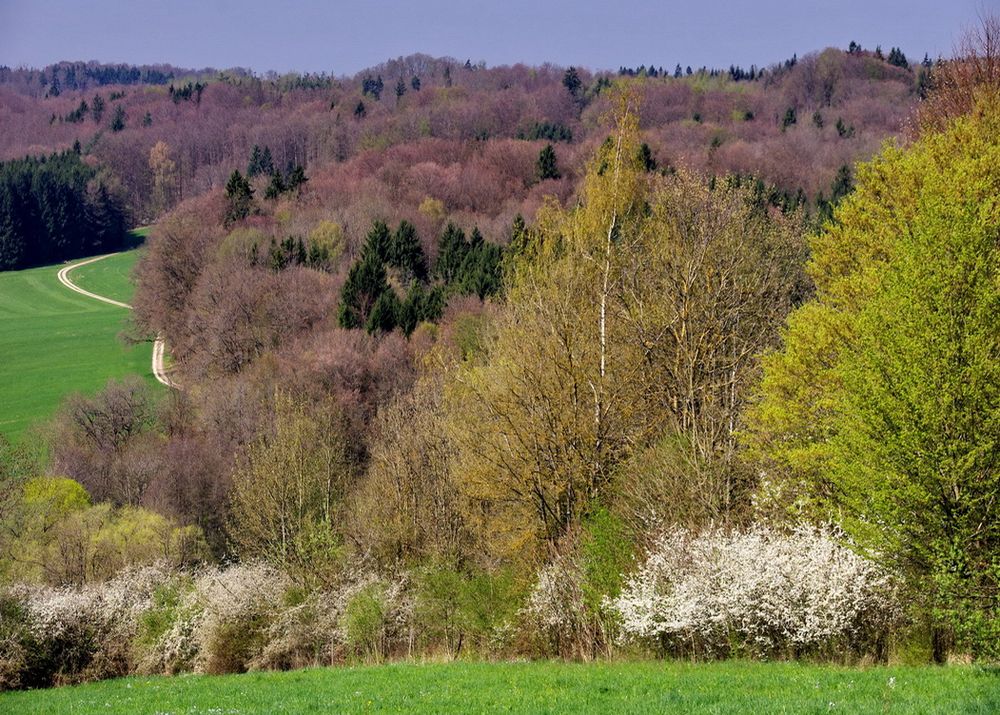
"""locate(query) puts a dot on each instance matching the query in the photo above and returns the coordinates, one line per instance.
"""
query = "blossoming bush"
(157, 620)
(51, 636)
(759, 592)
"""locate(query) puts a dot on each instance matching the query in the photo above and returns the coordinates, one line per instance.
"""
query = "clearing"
(54, 342)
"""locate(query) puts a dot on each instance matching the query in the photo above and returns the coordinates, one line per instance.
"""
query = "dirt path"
(159, 348)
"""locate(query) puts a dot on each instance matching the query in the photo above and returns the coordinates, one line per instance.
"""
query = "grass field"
(54, 342)
(651, 687)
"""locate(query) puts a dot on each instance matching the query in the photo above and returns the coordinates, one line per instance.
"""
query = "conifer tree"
(546, 166)
(239, 198)
(406, 253)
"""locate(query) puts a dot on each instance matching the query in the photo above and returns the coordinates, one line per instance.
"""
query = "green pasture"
(544, 687)
(54, 342)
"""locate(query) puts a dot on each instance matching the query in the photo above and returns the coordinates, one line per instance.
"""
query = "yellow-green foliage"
(242, 242)
(49, 499)
(59, 537)
(883, 408)
(328, 235)
(636, 313)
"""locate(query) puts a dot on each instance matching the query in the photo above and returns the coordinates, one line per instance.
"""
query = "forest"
(55, 208)
(516, 362)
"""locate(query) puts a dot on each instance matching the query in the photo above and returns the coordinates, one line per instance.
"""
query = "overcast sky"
(344, 37)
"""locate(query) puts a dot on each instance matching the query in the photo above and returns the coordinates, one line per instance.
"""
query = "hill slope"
(53, 341)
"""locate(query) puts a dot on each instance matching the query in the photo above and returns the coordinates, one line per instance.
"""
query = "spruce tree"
(385, 313)
(366, 281)
(452, 248)
(239, 198)
(546, 166)
(406, 253)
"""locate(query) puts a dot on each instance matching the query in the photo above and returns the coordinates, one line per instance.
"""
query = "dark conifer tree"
(452, 248)
(366, 281)
(406, 253)
(385, 313)
(377, 243)
(239, 198)
(118, 121)
(571, 81)
(546, 167)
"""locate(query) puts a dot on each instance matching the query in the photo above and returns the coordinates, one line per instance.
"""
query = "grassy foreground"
(648, 687)
(54, 341)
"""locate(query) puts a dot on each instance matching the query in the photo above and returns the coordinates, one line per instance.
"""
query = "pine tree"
(452, 248)
(239, 198)
(571, 81)
(789, 118)
(646, 155)
(406, 253)
(276, 187)
(366, 281)
(296, 177)
(377, 243)
(385, 313)
(118, 122)
(546, 166)
(415, 83)
(400, 89)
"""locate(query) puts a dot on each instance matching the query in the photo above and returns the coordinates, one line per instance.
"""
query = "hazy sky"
(344, 37)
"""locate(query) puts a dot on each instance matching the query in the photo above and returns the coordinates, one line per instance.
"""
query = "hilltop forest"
(520, 361)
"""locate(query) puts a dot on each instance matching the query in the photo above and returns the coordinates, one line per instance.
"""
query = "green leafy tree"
(883, 407)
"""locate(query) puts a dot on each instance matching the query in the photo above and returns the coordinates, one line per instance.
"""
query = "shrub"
(759, 592)
(237, 604)
(51, 636)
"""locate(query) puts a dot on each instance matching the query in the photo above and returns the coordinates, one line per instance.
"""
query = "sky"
(343, 38)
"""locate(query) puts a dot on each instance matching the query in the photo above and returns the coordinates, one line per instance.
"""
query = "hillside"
(56, 342)
(467, 135)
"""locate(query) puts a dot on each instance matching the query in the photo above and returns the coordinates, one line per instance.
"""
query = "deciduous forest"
(515, 362)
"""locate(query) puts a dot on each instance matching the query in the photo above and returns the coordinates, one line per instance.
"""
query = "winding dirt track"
(159, 371)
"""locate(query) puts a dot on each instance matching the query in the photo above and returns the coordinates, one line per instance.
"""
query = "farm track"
(159, 347)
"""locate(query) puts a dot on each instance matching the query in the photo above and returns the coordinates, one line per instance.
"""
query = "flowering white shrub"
(556, 600)
(762, 589)
(556, 605)
(70, 634)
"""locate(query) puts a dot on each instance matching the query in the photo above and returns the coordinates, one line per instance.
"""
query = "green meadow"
(545, 687)
(54, 342)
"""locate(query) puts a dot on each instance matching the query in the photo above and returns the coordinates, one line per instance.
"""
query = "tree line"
(55, 208)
